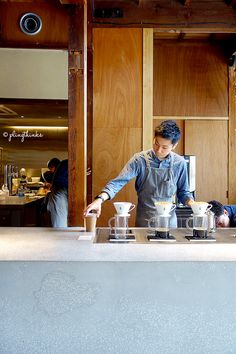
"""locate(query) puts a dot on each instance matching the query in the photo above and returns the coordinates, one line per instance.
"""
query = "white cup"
(200, 208)
(164, 208)
(123, 208)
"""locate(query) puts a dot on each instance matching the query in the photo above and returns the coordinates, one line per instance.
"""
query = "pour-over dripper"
(123, 208)
(200, 208)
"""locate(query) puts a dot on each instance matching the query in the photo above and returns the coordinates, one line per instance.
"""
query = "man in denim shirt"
(160, 174)
(225, 214)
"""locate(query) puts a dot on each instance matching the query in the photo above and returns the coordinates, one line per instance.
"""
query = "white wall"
(33, 73)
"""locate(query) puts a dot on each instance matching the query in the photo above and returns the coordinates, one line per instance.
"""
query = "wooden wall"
(191, 86)
(55, 19)
(117, 108)
(190, 79)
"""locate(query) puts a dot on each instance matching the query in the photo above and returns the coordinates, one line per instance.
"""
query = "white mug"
(200, 208)
(123, 208)
(164, 208)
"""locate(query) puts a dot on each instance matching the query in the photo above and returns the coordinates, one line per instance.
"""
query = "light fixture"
(30, 24)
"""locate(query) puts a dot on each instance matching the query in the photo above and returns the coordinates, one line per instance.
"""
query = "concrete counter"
(70, 244)
(61, 295)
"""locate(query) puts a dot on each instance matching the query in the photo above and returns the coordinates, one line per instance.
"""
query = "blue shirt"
(136, 168)
(60, 178)
(231, 209)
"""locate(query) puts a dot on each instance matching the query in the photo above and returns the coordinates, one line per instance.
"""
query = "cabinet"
(16, 211)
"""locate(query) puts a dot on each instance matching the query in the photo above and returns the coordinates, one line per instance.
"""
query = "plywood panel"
(55, 24)
(117, 129)
(190, 79)
(117, 77)
(208, 141)
(114, 149)
(232, 135)
(147, 87)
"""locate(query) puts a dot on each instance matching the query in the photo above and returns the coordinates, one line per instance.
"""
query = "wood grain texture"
(117, 92)
(208, 140)
(190, 79)
(117, 100)
(147, 87)
(232, 135)
(55, 25)
(169, 14)
(77, 111)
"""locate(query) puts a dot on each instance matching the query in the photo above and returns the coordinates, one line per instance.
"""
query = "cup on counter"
(90, 222)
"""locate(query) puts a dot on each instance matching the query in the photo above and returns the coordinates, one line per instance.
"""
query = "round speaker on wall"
(30, 24)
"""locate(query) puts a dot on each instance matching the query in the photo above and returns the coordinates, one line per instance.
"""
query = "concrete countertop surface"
(17, 201)
(74, 244)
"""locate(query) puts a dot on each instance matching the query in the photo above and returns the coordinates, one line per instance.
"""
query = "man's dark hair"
(168, 129)
(217, 208)
(48, 176)
(54, 162)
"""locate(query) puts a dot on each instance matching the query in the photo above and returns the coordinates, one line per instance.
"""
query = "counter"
(20, 211)
(70, 244)
(62, 293)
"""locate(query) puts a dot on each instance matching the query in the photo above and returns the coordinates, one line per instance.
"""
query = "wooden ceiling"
(205, 15)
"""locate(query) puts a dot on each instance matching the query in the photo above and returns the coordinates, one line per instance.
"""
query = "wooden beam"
(89, 104)
(77, 109)
(172, 15)
(73, 2)
(190, 118)
(232, 134)
(147, 88)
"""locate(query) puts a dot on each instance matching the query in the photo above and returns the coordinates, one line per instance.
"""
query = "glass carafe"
(199, 225)
(119, 225)
(160, 224)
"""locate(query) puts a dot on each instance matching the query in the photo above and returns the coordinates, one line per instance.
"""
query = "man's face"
(162, 147)
(223, 220)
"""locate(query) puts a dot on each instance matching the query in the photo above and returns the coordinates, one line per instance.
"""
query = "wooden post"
(232, 135)
(77, 110)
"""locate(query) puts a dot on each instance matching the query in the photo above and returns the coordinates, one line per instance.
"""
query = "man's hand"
(96, 205)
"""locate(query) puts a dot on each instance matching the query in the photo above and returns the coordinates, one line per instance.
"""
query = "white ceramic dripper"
(200, 208)
(164, 208)
(123, 208)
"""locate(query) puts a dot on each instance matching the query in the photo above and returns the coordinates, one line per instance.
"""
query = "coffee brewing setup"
(159, 225)
(119, 225)
(203, 222)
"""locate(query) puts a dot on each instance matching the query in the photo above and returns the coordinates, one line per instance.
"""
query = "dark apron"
(158, 185)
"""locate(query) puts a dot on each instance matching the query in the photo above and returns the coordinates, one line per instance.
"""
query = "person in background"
(45, 191)
(225, 214)
(160, 174)
(47, 178)
(57, 204)
(53, 163)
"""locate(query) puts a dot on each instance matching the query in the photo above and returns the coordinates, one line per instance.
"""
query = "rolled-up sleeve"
(130, 171)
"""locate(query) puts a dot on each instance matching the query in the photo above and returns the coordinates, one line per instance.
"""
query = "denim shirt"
(136, 168)
(231, 209)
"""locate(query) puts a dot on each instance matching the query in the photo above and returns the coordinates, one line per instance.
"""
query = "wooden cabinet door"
(208, 141)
